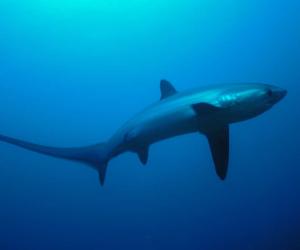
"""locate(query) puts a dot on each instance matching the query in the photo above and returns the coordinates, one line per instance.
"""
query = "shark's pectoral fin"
(166, 89)
(143, 153)
(219, 146)
(205, 108)
(218, 138)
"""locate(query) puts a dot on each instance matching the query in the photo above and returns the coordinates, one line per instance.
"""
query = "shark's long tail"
(96, 156)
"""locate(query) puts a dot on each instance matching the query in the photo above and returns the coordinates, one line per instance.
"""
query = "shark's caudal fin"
(96, 156)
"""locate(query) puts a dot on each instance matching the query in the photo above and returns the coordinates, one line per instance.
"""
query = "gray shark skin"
(208, 111)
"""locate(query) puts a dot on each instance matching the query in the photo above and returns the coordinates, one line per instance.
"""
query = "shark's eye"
(270, 93)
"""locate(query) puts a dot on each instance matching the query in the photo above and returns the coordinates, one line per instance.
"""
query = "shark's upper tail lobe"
(96, 156)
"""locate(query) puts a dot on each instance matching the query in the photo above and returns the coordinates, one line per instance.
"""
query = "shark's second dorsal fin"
(166, 89)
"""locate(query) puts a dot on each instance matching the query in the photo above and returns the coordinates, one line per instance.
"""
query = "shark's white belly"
(153, 127)
(160, 121)
(165, 125)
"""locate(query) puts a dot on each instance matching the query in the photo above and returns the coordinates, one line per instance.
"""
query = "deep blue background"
(71, 72)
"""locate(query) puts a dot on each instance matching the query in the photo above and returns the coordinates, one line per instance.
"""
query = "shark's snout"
(283, 93)
(277, 94)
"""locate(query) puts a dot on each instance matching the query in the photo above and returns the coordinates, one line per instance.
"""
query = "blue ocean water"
(72, 72)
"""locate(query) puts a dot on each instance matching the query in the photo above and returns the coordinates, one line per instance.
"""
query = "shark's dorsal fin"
(166, 89)
(143, 153)
(219, 146)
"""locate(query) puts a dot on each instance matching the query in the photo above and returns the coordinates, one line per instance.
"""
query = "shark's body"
(208, 111)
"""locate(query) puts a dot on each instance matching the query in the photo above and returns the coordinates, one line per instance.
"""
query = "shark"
(208, 111)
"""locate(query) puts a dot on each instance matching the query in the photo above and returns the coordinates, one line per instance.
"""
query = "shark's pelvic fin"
(95, 156)
(143, 153)
(219, 146)
(166, 89)
(102, 172)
